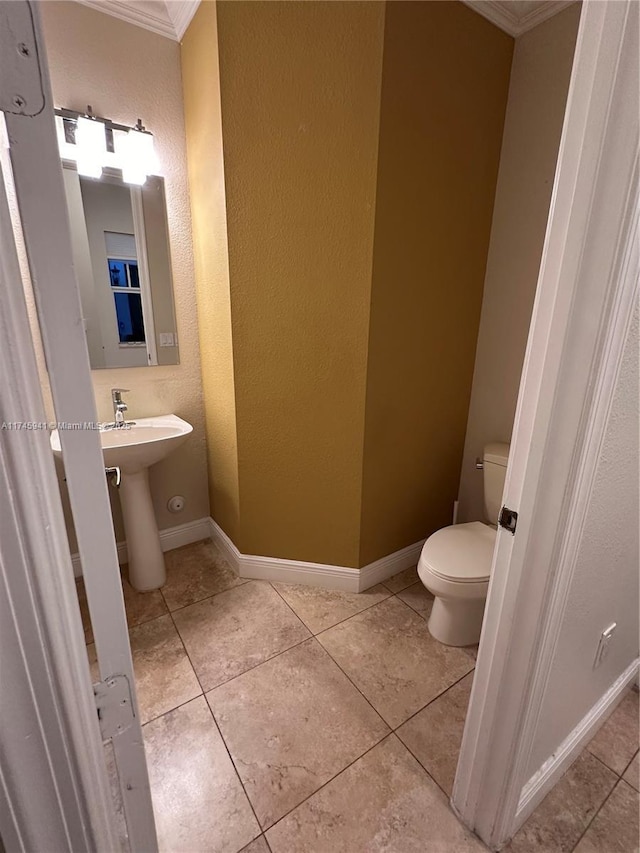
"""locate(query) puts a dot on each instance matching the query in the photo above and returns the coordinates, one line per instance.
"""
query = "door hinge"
(508, 519)
(21, 91)
(114, 705)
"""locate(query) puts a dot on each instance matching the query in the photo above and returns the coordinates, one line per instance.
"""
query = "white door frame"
(39, 189)
(587, 289)
(55, 794)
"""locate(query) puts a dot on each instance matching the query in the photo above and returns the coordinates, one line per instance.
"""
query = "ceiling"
(171, 18)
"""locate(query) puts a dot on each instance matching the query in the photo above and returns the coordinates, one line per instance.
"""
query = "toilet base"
(456, 621)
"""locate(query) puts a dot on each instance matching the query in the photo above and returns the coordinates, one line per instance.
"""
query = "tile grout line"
(335, 776)
(630, 762)
(235, 769)
(435, 698)
(335, 624)
(604, 763)
(598, 810)
(215, 723)
(243, 581)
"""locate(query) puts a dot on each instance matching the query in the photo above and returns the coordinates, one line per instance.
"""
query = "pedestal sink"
(133, 449)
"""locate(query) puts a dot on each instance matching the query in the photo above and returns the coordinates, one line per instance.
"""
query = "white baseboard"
(539, 785)
(170, 538)
(315, 574)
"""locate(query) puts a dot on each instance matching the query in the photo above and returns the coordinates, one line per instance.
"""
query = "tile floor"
(286, 719)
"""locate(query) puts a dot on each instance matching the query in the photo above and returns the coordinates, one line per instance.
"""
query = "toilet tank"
(495, 458)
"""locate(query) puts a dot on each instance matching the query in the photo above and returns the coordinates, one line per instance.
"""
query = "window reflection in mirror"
(121, 256)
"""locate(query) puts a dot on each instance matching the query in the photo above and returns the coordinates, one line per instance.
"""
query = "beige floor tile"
(257, 846)
(198, 800)
(236, 630)
(418, 597)
(435, 733)
(290, 725)
(321, 608)
(617, 741)
(564, 814)
(163, 673)
(392, 658)
(139, 606)
(164, 676)
(195, 572)
(384, 803)
(632, 773)
(615, 828)
(402, 579)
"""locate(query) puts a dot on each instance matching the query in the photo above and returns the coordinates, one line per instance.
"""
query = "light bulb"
(91, 143)
(138, 157)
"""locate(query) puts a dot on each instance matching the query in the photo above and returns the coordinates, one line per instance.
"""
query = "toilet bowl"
(455, 563)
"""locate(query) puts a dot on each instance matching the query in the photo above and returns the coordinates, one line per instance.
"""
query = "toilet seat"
(460, 553)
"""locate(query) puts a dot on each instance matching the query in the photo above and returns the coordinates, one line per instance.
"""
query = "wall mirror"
(121, 255)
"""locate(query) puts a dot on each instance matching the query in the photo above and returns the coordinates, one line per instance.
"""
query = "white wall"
(605, 585)
(538, 88)
(126, 72)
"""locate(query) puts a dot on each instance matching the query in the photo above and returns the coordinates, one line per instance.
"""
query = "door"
(587, 288)
(34, 175)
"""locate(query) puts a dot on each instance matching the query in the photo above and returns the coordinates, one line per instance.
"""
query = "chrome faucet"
(119, 406)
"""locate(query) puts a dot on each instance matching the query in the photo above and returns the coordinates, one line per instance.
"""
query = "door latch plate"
(508, 519)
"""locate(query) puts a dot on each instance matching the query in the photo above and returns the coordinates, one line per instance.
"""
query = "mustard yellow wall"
(206, 178)
(444, 93)
(337, 346)
(300, 88)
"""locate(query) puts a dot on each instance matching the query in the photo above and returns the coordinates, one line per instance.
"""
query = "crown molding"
(181, 13)
(505, 15)
(178, 14)
(542, 13)
(170, 19)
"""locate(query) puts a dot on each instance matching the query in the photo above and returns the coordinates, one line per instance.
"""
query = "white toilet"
(455, 562)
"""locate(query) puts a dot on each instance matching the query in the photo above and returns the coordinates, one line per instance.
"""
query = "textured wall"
(126, 72)
(540, 74)
(604, 587)
(201, 83)
(342, 360)
(444, 93)
(300, 85)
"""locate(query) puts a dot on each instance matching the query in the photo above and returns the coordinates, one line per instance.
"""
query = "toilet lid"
(461, 552)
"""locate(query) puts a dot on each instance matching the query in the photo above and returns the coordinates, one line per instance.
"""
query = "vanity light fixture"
(92, 146)
(137, 154)
(95, 142)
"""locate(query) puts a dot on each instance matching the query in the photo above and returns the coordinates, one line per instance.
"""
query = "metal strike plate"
(114, 705)
(20, 74)
(508, 519)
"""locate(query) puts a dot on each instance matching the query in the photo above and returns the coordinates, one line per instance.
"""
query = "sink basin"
(140, 444)
(132, 449)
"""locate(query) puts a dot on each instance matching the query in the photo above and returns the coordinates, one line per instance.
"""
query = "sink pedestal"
(133, 450)
(146, 561)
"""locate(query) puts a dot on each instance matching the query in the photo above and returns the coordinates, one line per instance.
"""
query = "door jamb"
(587, 290)
(38, 181)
